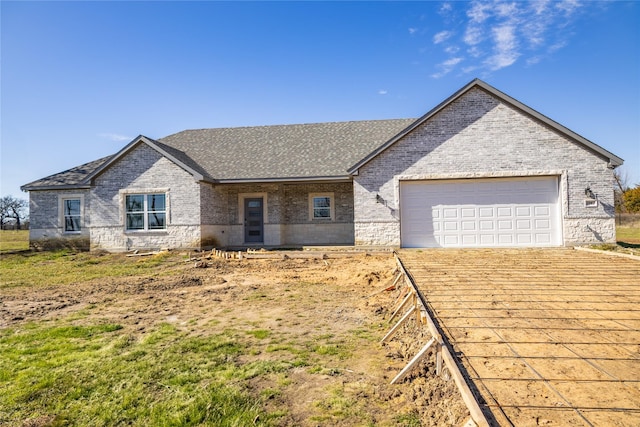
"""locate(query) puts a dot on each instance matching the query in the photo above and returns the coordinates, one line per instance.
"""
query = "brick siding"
(478, 136)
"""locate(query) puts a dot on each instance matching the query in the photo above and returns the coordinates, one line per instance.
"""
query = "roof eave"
(340, 178)
(29, 187)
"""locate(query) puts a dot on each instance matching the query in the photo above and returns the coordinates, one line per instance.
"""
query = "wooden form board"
(445, 355)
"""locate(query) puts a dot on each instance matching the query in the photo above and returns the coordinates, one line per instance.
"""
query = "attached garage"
(510, 212)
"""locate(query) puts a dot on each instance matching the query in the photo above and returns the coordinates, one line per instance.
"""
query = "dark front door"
(253, 221)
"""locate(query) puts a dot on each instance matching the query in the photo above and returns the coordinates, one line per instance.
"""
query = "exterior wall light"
(589, 193)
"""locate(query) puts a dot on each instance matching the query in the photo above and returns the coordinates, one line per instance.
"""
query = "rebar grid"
(590, 296)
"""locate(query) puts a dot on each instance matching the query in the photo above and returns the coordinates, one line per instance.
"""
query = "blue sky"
(81, 79)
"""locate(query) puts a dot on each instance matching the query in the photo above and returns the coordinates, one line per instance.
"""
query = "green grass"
(14, 240)
(65, 267)
(99, 375)
(628, 234)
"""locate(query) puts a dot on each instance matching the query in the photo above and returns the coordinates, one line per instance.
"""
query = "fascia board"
(55, 187)
(318, 179)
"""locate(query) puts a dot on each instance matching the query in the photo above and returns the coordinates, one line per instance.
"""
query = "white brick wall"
(144, 170)
(477, 136)
(46, 228)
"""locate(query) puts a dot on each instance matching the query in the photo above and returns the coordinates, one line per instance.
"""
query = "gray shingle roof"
(284, 151)
(280, 152)
(71, 178)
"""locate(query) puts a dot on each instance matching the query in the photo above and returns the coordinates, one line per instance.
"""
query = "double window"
(321, 206)
(146, 212)
(71, 209)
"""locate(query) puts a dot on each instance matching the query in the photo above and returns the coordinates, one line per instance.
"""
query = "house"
(481, 169)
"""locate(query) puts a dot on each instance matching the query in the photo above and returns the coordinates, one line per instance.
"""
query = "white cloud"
(469, 69)
(441, 36)
(534, 32)
(451, 49)
(451, 62)
(539, 6)
(445, 8)
(412, 31)
(473, 35)
(534, 60)
(475, 51)
(557, 46)
(382, 92)
(497, 33)
(505, 47)
(568, 6)
(478, 12)
(507, 10)
(115, 137)
(447, 66)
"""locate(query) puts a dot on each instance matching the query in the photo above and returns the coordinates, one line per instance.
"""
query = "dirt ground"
(298, 301)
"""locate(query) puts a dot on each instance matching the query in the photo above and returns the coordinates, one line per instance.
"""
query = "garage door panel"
(542, 238)
(450, 240)
(505, 225)
(469, 240)
(450, 226)
(468, 212)
(543, 224)
(468, 226)
(524, 239)
(523, 224)
(505, 239)
(487, 239)
(487, 225)
(541, 211)
(482, 212)
(486, 212)
(505, 211)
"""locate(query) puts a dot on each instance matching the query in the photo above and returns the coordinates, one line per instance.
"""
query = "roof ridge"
(286, 125)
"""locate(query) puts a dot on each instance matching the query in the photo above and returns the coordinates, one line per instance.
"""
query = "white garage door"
(480, 212)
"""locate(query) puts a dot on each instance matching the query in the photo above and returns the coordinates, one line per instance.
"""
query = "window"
(72, 215)
(146, 212)
(321, 206)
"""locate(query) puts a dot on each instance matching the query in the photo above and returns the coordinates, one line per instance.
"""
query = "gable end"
(613, 160)
(162, 149)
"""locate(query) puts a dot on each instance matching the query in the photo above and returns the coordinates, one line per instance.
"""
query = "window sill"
(145, 232)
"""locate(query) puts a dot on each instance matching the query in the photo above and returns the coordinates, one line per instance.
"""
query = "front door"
(253, 220)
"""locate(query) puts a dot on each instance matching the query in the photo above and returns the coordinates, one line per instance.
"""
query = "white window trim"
(61, 222)
(332, 207)
(145, 191)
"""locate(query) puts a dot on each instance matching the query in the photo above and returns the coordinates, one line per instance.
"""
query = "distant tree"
(621, 185)
(631, 200)
(12, 208)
